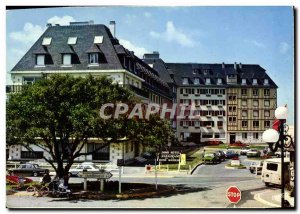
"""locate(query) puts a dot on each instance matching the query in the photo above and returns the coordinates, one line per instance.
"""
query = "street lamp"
(279, 139)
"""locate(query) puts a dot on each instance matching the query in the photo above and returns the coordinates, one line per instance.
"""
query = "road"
(209, 183)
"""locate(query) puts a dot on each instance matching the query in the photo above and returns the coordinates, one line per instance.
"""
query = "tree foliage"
(60, 113)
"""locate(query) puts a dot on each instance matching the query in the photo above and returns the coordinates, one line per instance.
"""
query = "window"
(207, 136)
(254, 81)
(66, 59)
(231, 76)
(244, 113)
(244, 124)
(219, 81)
(40, 60)
(197, 123)
(232, 119)
(267, 103)
(93, 58)
(46, 41)
(255, 92)
(244, 135)
(72, 40)
(267, 92)
(244, 102)
(244, 91)
(255, 124)
(267, 124)
(255, 135)
(194, 71)
(267, 113)
(98, 39)
(255, 113)
(217, 135)
(196, 81)
(185, 81)
(255, 103)
(266, 81)
(30, 80)
(272, 166)
(220, 124)
(244, 82)
(207, 81)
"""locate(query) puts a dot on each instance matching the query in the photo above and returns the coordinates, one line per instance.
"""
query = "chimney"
(48, 25)
(112, 28)
(223, 65)
(240, 65)
(235, 66)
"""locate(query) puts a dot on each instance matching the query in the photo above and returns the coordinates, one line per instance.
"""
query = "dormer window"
(40, 60)
(67, 59)
(93, 58)
(207, 81)
(196, 81)
(185, 81)
(46, 41)
(72, 40)
(254, 81)
(98, 39)
(266, 81)
(206, 71)
(194, 71)
(244, 82)
(219, 81)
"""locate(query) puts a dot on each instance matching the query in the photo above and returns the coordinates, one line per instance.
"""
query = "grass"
(193, 158)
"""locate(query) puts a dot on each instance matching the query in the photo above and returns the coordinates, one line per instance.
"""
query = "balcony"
(14, 88)
(137, 91)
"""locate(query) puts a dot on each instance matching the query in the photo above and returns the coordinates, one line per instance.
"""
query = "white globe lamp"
(281, 113)
(270, 136)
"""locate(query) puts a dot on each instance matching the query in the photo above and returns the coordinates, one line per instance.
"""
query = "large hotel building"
(231, 102)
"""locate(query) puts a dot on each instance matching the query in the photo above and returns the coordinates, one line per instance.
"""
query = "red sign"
(234, 194)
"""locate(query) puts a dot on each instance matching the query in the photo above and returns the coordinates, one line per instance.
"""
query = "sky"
(250, 35)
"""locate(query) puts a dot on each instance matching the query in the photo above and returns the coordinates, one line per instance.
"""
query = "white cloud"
(65, 20)
(138, 51)
(29, 34)
(147, 14)
(173, 35)
(130, 18)
(255, 43)
(284, 47)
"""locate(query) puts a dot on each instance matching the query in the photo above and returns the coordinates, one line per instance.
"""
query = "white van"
(271, 171)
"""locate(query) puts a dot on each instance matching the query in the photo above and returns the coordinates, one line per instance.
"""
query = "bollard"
(101, 185)
(85, 184)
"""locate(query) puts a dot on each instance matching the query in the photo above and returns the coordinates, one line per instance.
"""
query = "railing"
(14, 88)
(137, 90)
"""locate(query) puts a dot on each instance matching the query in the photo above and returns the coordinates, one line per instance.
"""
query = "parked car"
(211, 158)
(271, 171)
(221, 155)
(253, 153)
(244, 151)
(28, 169)
(256, 167)
(230, 154)
(91, 167)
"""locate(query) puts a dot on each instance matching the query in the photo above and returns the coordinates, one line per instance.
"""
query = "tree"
(59, 114)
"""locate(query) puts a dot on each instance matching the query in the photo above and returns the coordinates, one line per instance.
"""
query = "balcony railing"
(14, 88)
(137, 90)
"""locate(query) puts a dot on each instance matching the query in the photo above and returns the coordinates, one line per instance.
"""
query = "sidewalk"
(273, 198)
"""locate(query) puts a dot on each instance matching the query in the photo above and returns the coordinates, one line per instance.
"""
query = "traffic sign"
(95, 174)
(233, 194)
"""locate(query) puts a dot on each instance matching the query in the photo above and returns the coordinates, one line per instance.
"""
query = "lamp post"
(279, 139)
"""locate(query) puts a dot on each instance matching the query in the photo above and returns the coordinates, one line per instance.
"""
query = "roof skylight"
(47, 41)
(98, 39)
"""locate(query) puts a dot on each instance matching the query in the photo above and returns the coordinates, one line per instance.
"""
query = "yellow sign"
(182, 159)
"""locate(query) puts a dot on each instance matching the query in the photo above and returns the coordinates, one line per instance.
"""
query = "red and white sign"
(234, 194)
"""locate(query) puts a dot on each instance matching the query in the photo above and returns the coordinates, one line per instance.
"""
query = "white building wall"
(250, 137)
